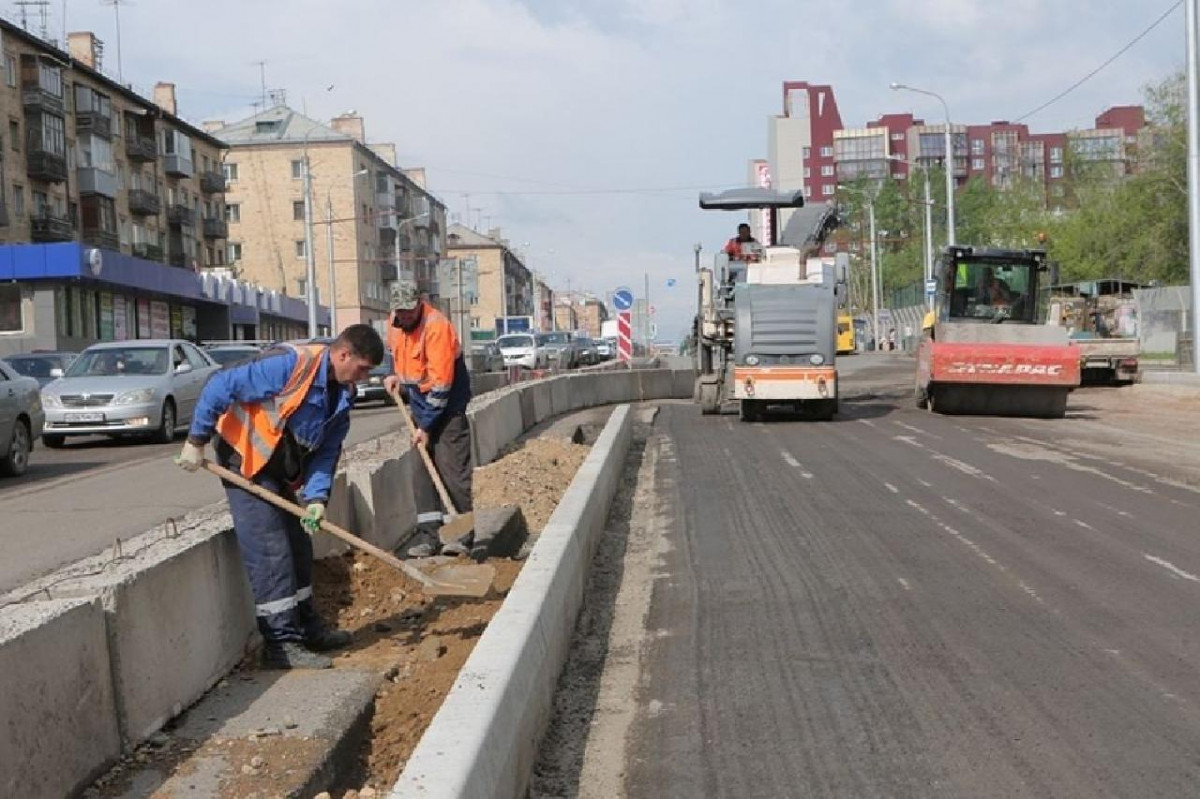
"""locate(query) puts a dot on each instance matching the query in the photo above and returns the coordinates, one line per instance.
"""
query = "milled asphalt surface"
(900, 604)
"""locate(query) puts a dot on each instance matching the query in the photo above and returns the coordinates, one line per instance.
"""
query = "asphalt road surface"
(900, 604)
(74, 502)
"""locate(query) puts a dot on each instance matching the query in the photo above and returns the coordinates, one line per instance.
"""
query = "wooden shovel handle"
(270, 496)
(447, 503)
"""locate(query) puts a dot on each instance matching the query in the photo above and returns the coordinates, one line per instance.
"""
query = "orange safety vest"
(424, 360)
(254, 429)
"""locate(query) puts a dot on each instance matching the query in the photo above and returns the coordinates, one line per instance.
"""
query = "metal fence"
(1163, 315)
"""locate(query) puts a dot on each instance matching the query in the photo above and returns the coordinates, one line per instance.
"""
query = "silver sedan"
(21, 419)
(147, 387)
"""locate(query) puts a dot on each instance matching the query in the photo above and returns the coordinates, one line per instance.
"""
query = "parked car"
(147, 387)
(520, 349)
(41, 366)
(486, 357)
(559, 349)
(226, 354)
(21, 419)
(371, 389)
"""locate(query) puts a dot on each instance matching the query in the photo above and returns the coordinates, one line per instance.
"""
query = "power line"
(1095, 71)
(640, 190)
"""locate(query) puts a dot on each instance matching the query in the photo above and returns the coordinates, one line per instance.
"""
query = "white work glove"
(191, 458)
(314, 514)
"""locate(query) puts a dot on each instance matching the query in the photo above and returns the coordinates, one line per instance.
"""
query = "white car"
(520, 349)
(145, 386)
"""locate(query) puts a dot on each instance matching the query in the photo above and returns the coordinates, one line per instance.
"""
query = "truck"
(983, 350)
(765, 327)
(1100, 318)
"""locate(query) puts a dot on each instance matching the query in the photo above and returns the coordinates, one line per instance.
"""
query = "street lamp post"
(333, 325)
(1193, 171)
(310, 261)
(950, 239)
(928, 223)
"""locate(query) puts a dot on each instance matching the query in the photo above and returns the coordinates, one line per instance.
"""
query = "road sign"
(622, 299)
(930, 288)
(624, 334)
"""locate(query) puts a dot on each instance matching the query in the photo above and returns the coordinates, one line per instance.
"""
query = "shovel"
(448, 580)
(458, 526)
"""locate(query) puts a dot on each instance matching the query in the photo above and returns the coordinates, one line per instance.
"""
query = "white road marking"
(904, 583)
(892, 488)
(795, 464)
(1172, 568)
(953, 463)
(1025, 587)
(1035, 450)
(867, 422)
(913, 429)
(925, 483)
(978, 550)
(1083, 524)
(1060, 513)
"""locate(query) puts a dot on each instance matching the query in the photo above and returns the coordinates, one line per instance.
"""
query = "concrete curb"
(483, 740)
(1164, 378)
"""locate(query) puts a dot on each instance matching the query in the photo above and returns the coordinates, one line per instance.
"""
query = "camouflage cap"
(404, 295)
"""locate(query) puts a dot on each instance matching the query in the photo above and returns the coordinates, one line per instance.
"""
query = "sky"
(585, 129)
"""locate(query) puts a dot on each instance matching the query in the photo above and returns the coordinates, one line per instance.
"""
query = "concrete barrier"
(178, 613)
(59, 727)
(483, 740)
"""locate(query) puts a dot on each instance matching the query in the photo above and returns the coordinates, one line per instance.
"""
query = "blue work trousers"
(278, 556)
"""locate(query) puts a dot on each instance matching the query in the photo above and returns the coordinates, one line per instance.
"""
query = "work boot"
(292, 655)
(320, 638)
(460, 548)
(424, 544)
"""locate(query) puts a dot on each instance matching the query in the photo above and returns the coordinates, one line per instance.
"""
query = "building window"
(10, 70)
(827, 171)
(976, 163)
(230, 171)
(976, 146)
(1056, 171)
(805, 153)
(808, 172)
(10, 309)
(297, 169)
(234, 250)
(898, 176)
(1056, 155)
(233, 212)
(827, 190)
(300, 248)
(298, 210)
(898, 136)
(827, 151)
(19, 201)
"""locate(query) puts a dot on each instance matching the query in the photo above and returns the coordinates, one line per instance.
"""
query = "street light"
(928, 224)
(874, 262)
(949, 158)
(333, 325)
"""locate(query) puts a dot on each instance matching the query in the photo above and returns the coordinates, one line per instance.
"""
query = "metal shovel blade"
(456, 528)
(468, 579)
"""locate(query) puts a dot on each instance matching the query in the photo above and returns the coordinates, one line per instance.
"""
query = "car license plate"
(362, 391)
(85, 417)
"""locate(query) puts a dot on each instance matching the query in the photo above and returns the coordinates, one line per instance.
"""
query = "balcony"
(144, 203)
(104, 239)
(212, 183)
(46, 227)
(215, 228)
(96, 181)
(388, 272)
(178, 166)
(180, 215)
(93, 122)
(37, 100)
(42, 165)
(387, 236)
(141, 149)
(178, 259)
(151, 252)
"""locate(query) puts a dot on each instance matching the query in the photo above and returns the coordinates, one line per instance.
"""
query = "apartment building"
(800, 142)
(581, 311)
(372, 221)
(110, 203)
(506, 286)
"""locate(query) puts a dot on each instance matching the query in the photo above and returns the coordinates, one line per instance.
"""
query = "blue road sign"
(670, 282)
(930, 288)
(622, 299)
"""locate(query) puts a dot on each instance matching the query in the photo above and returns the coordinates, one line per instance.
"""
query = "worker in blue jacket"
(280, 420)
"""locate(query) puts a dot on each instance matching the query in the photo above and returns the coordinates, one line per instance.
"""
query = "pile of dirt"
(420, 644)
(533, 475)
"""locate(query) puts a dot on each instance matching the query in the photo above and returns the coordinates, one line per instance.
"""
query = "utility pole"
(333, 325)
(874, 274)
(310, 264)
(928, 240)
(646, 320)
(116, 4)
(1193, 163)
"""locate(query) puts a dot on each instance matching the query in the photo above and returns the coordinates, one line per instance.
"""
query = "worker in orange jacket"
(432, 374)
